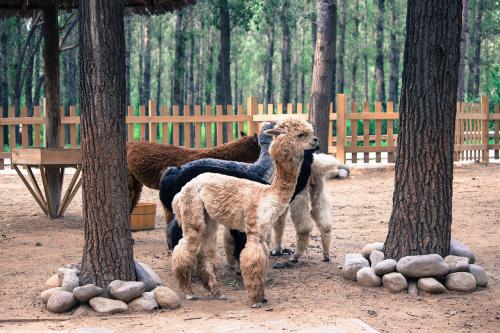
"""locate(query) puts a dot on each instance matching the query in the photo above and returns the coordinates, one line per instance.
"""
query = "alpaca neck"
(240, 150)
(264, 159)
(286, 179)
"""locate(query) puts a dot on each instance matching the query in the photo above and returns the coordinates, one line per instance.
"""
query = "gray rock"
(375, 257)
(395, 282)
(107, 306)
(167, 298)
(53, 281)
(457, 248)
(126, 291)
(460, 281)
(70, 281)
(367, 277)
(430, 285)
(342, 174)
(64, 270)
(86, 292)
(368, 248)
(45, 295)
(457, 264)
(61, 301)
(146, 274)
(145, 302)
(385, 266)
(427, 265)
(83, 310)
(353, 262)
(479, 274)
(74, 266)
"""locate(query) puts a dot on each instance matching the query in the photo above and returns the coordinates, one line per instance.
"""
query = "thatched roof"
(27, 8)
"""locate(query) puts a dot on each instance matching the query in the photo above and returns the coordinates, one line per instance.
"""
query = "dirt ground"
(312, 293)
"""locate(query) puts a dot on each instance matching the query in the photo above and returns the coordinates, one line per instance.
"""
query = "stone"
(126, 291)
(83, 310)
(45, 295)
(86, 292)
(146, 274)
(342, 174)
(368, 248)
(64, 270)
(61, 301)
(145, 302)
(395, 282)
(430, 285)
(107, 306)
(457, 264)
(375, 257)
(367, 277)
(53, 281)
(167, 298)
(427, 265)
(353, 262)
(457, 248)
(479, 274)
(74, 266)
(385, 266)
(70, 281)
(460, 281)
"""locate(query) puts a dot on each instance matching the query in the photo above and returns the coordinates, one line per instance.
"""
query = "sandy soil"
(312, 293)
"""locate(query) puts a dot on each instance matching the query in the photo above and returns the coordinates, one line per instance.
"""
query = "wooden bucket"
(143, 217)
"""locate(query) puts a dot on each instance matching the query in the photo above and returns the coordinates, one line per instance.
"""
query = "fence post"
(485, 130)
(152, 124)
(341, 106)
(253, 127)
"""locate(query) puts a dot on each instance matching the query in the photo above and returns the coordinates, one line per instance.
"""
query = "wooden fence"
(358, 133)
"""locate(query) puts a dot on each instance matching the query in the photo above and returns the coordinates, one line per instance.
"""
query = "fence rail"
(357, 131)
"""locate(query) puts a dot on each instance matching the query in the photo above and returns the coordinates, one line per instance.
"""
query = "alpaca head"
(265, 139)
(291, 137)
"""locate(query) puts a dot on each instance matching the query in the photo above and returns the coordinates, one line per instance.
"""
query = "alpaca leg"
(320, 212)
(134, 191)
(301, 218)
(279, 230)
(254, 263)
(229, 248)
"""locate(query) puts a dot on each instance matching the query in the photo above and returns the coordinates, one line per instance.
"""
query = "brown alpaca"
(147, 160)
(240, 204)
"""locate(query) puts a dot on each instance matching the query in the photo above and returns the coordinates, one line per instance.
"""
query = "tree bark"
(323, 69)
(421, 216)
(146, 81)
(394, 58)
(355, 36)
(269, 96)
(223, 79)
(379, 46)
(286, 53)
(128, 40)
(365, 54)
(314, 32)
(159, 69)
(107, 251)
(463, 50)
(341, 48)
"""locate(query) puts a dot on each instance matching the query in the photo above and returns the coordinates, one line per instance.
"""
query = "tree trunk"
(178, 72)
(477, 49)
(394, 58)
(4, 78)
(146, 81)
(302, 68)
(128, 40)
(209, 71)
(379, 46)
(53, 99)
(422, 202)
(286, 53)
(223, 84)
(191, 70)
(269, 62)
(236, 81)
(365, 54)
(107, 251)
(314, 33)
(201, 64)
(323, 69)
(28, 87)
(159, 70)
(341, 48)
(354, 92)
(463, 50)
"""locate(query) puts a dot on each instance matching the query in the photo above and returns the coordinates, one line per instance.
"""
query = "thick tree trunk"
(269, 96)
(463, 50)
(53, 99)
(476, 59)
(341, 48)
(422, 202)
(159, 69)
(179, 63)
(379, 46)
(314, 33)
(146, 81)
(140, 81)
(394, 58)
(128, 40)
(286, 53)
(355, 36)
(365, 53)
(107, 251)
(323, 69)
(223, 79)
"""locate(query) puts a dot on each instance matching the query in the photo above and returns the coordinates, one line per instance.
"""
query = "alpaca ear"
(243, 134)
(274, 131)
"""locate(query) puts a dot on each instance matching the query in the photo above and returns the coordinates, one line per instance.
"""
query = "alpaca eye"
(301, 135)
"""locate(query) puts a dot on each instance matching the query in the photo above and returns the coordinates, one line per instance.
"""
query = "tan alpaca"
(239, 204)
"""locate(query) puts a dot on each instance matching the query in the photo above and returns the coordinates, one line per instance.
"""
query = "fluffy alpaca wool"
(147, 160)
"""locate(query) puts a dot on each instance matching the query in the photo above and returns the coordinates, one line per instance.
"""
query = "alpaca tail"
(325, 164)
(173, 233)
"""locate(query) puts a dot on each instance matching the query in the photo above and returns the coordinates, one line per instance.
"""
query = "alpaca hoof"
(257, 305)
(237, 268)
(294, 259)
(222, 298)
(191, 297)
(326, 257)
(276, 253)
